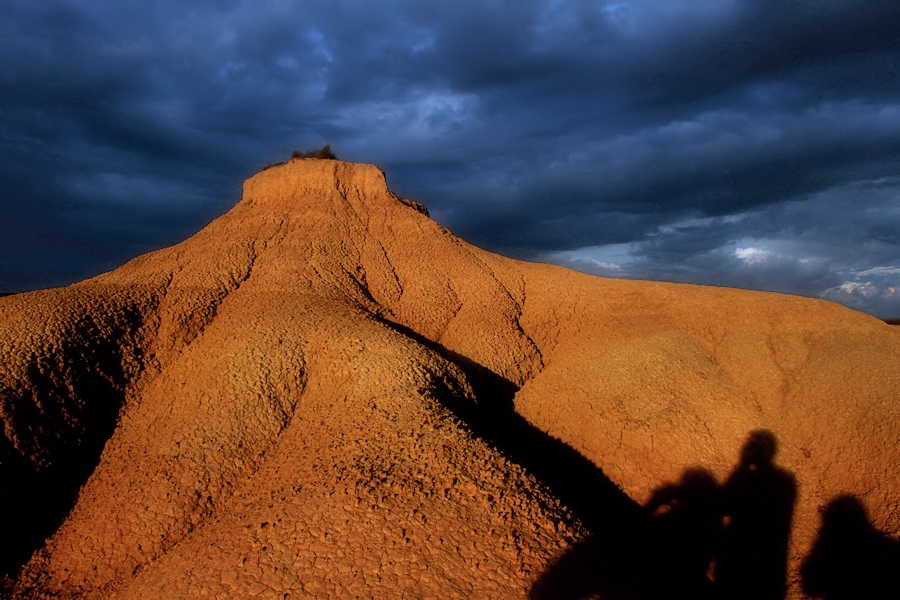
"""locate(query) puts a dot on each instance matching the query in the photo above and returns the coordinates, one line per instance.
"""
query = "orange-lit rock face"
(315, 398)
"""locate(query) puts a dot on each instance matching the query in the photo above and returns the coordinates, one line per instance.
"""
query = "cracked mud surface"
(313, 397)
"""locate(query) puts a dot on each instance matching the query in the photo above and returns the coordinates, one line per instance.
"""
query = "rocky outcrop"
(325, 393)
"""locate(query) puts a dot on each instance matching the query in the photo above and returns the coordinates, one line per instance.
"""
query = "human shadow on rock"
(672, 548)
(851, 559)
(704, 541)
(757, 508)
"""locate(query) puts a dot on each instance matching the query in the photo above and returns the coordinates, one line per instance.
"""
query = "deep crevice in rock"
(93, 380)
(579, 484)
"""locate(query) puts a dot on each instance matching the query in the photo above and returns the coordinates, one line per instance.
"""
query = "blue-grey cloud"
(737, 142)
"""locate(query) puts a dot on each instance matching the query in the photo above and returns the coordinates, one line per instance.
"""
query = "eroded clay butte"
(313, 397)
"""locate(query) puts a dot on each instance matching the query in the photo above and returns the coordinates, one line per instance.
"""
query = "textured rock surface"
(313, 397)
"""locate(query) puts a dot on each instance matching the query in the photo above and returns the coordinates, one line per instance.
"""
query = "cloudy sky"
(731, 142)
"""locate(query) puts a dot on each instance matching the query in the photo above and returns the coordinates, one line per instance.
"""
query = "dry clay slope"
(287, 374)
(274, 414)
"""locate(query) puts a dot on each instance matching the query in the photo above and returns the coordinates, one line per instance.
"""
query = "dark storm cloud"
(682, 132)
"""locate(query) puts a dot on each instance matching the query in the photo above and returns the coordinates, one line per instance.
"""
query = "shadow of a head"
(846, 515)
(759, 450)
(850, 558)
(696, 489)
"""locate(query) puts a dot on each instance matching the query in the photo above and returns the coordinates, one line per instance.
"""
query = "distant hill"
(324, 393)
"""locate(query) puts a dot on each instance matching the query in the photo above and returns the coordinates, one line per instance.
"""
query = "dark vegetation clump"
(415, 205)
(324, 152)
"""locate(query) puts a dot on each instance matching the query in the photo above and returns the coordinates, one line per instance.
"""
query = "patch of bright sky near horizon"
(749, 143)
(790, 262)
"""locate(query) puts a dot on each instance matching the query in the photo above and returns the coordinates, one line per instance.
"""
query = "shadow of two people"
(695, 539)
(698, 540)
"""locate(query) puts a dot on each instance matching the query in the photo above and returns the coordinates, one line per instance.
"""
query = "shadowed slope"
(317, 399)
